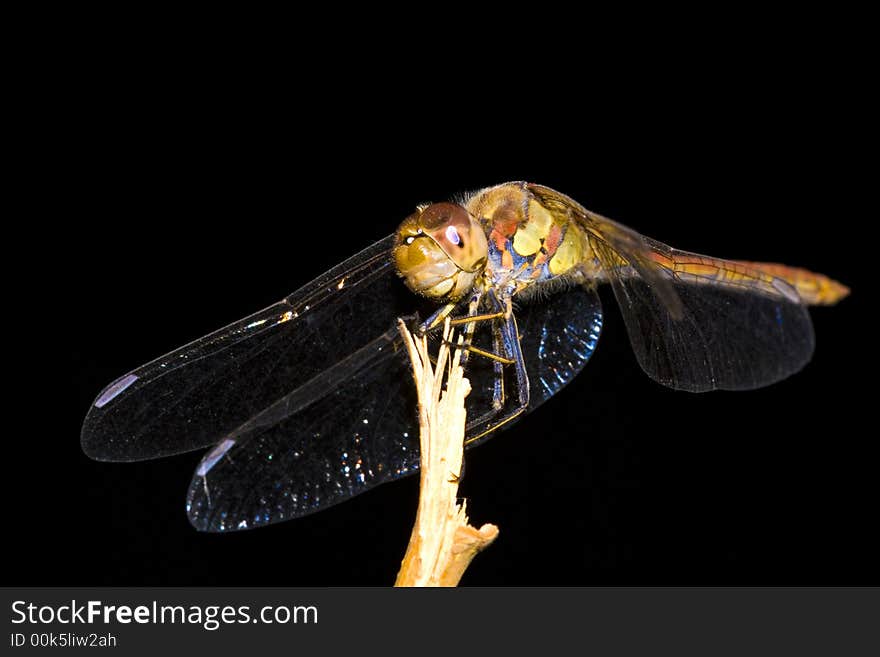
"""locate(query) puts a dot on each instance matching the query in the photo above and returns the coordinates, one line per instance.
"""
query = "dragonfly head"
(440, 250)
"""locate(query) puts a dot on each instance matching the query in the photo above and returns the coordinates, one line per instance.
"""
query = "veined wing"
(696, 323)
(310, 401)
(324, 443)
(194, 396)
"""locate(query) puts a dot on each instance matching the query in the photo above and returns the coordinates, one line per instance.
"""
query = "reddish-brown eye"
(460, 237)
(439, 215)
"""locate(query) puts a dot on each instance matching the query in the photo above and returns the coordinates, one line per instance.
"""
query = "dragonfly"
(310, 402)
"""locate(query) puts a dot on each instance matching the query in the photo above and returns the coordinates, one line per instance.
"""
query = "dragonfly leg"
(490, 355)
(507, 352)
(498, 387)
(508, 338)
(437, 318)
(470, 319)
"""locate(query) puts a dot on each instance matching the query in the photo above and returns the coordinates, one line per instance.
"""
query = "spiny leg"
(495, 418)
(498, 387)
(475, 318)
(469, 327)
(436, 319)
(489, 355)
(506, 343)
(439, 316)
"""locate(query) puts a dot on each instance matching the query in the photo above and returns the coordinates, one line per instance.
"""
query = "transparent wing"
(194, 396)
(326, 441)
(338, 436)
(697, 323)
(558, 337)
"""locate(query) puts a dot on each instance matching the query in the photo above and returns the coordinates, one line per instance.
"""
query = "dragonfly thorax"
(440, 250)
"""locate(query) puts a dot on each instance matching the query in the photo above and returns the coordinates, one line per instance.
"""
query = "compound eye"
(460, 237)
(440, 215)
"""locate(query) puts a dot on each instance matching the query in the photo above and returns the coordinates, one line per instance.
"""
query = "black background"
(186, 195)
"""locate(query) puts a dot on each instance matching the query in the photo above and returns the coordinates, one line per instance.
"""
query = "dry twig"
(442, 543)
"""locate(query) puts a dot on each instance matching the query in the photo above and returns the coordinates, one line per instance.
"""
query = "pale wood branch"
(442, 543)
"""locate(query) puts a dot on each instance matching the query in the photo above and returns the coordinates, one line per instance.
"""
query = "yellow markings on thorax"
(571, 252)
(548, 235)
(530, 238)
